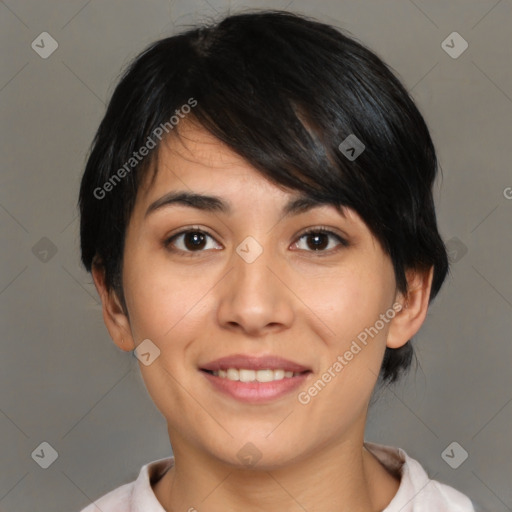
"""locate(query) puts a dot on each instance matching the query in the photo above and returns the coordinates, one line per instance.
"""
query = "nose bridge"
(253, 297)
(252, 273)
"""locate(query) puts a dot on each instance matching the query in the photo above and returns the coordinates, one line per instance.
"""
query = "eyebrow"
(207, 203)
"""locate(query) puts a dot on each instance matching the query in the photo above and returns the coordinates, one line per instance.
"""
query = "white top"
(416, 493)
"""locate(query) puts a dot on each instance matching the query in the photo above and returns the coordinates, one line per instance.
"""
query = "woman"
(257, 215)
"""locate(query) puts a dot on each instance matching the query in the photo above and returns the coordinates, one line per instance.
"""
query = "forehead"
(193, 161)
(194, 154)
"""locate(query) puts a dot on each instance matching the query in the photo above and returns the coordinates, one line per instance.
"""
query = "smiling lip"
(255, 392)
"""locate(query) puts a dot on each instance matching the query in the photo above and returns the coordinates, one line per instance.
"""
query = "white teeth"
(279, 374)
(244, 375)
(232, 374)
(263, 375)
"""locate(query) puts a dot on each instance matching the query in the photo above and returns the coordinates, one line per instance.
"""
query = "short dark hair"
(283, 91)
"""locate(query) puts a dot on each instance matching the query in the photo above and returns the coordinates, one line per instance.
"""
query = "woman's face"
(247, 283)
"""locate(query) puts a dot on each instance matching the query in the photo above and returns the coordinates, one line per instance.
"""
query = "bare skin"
(295, 301)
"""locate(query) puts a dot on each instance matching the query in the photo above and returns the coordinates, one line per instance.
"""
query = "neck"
(340, 478)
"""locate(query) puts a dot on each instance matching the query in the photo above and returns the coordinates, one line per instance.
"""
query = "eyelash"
(318, 230)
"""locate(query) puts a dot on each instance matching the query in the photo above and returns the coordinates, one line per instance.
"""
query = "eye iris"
(316, 237)
(197, 240)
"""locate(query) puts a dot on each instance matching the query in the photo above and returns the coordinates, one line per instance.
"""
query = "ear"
(115, 319)
(408, 320)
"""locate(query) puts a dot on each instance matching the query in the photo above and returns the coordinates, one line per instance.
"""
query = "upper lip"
(250, 362)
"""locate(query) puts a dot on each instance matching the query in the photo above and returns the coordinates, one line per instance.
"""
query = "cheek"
(351, 358)
(349, 301)
(162, 301)
(356, 340)
(169, 309)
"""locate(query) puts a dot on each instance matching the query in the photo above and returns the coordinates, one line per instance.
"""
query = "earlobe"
(408, 320)
(115, 318)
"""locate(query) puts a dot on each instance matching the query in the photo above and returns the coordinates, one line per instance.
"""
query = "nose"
(254, 295)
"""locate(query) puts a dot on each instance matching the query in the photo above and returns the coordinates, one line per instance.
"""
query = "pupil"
(316, 245)
(196, 239)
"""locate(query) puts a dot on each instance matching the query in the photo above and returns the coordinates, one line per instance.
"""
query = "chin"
(257, 452)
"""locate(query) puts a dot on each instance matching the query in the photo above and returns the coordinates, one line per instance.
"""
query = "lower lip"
(256, 392)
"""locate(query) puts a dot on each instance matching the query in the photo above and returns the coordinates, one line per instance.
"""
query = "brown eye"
(189, 241)
(318, 240)
(194, 240)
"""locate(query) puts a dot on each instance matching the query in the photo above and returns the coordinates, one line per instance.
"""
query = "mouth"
(255, 379)
(249, 375)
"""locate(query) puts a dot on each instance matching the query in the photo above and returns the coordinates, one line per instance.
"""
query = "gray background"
(63, 380)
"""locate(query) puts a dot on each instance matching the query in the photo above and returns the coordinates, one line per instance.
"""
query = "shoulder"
(417, 492)
(137, 495)
(116, 500)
